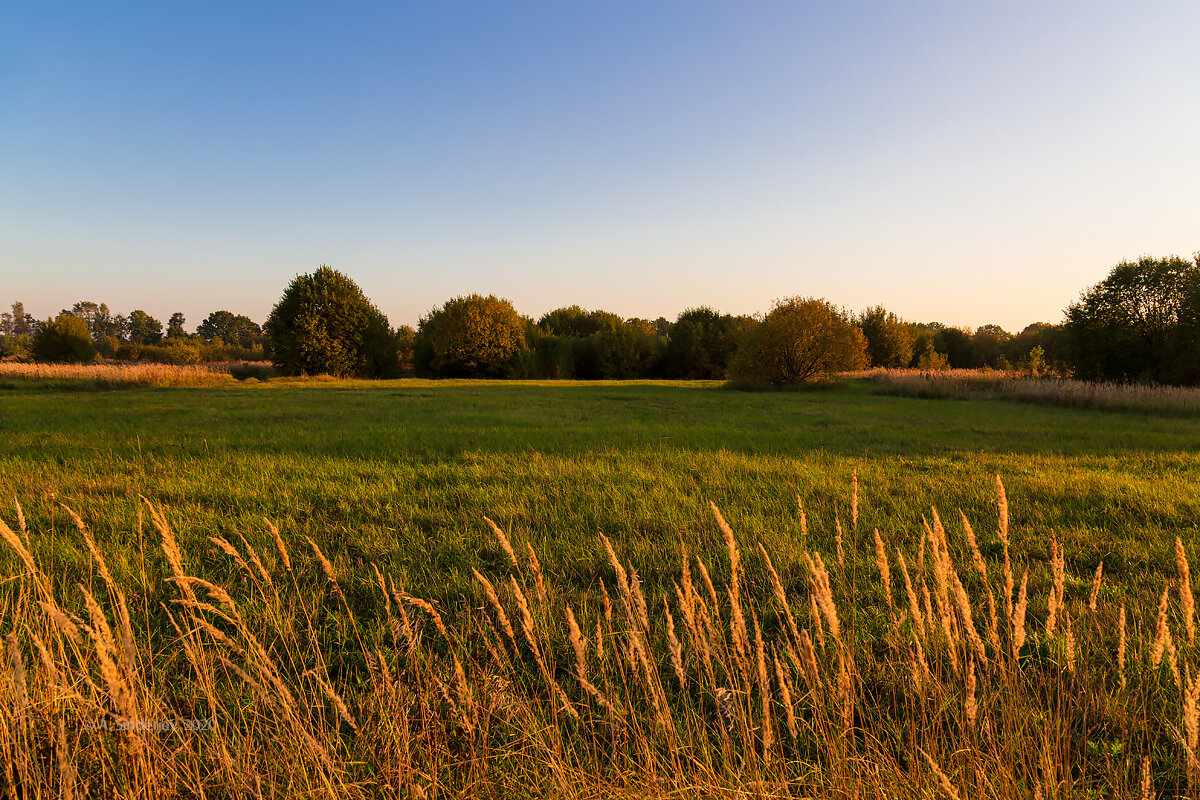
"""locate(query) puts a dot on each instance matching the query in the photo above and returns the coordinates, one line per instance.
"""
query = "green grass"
(402, 473)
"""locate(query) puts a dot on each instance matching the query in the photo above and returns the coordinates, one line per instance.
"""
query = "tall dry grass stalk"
(393, 695)
(1187, 601)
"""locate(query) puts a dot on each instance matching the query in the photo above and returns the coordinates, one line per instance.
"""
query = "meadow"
(385, 562)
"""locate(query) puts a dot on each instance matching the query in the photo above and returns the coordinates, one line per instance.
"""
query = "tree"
(576, 321)
(64, 338)
(406, 339)
(700, 344)
(955, 343)
(232, 329)
(470, 337)
(988, 343)
(324, 325)
(800, 339)
(143, 328)
(889, 339)
(626, 351)
(22, 323)
(1049, 338)
(175, 326)
(1141, 323)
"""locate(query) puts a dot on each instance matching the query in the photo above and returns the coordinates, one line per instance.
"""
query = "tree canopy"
(889, 339)
(64, 338)
(1141, 323)
(325, 325)
(800, 339)
(471, 337)
(230, 328)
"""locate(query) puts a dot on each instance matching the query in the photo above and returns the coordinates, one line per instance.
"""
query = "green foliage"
(800, 339)
(184, 351)
(101, 323)
(701, 343)
(143, 328)
(572, 342)
(929, 359)
(988, 343)
(232, 329)
(1141, 323)
(626, 351)
(175, 326)
(64, 339)
(474, 337)
(325, 325)
(889, 339)
(578, 322)
(16, 348)
(1034, 362)
(406, 340)
(956, 345)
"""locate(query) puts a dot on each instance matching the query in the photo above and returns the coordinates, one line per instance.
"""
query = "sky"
(969, 163)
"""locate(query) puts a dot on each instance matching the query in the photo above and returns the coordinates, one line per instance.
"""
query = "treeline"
(324, 324)
(89, 330)
(701, 343)
(1142, 323)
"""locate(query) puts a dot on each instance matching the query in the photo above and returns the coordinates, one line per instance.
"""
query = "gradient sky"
(969, 163)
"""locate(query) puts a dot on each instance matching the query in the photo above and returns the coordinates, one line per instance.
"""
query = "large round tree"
(325, 325)
(470, 337)
(800, 339)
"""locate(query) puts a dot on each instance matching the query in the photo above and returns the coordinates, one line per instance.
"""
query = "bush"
(65, 338)
(325, 325)
(800, 339)
(470, 337)
(16, 348)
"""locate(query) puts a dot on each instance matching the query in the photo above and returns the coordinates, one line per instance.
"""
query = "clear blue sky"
(963, 162)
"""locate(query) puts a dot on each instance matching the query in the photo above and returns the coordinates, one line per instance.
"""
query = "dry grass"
(995, 384)
(723, 695)
(15, 375)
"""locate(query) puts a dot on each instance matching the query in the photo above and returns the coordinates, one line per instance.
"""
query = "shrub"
(324, 324)
(65, 338)
(16, 348)
(470, 337)
(800, 339)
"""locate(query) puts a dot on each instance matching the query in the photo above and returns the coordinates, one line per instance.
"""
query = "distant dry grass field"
(993, 384)
(14, 375)
(380, 638)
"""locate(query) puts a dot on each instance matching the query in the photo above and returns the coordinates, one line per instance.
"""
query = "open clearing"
(330, 679)
(402, 473)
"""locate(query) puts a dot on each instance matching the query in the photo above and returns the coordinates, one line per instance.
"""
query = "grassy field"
(400, 475)
(403, 473)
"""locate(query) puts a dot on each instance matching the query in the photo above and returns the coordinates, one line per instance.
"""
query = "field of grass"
(403, 473)
(400, 476)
